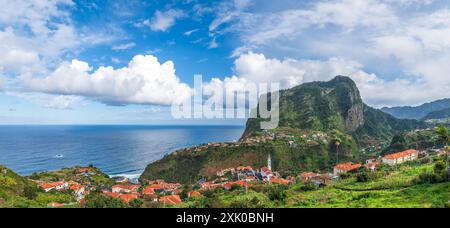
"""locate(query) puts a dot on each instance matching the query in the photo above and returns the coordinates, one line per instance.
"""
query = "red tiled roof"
(51, 185)
(156, 186)
(194, 193)
(400, 154)
(148, 191)
(308, 175)
(244, 168)
(76, 187)
(349, 166)
(279, 181)
(171, 199)
(241, 183)
(128, 197)
(112, 194)
(127, 187)
(55, 204)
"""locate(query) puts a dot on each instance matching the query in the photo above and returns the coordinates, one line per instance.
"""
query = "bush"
(30, 193)
(235, 187)
(308, 186)
(447, 205)
(98, 200)
(136, 203)
(438, 175)
(365, 176)
(276, 192)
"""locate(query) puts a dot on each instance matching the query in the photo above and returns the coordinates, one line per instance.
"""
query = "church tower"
(269, 163)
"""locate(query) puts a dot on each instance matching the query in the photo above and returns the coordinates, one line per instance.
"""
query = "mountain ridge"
(417, 112)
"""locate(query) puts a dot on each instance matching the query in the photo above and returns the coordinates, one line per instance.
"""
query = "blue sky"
(125, 62)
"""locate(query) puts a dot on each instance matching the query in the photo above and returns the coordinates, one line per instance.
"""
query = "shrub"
(438, 175)
(136, 203)
(98, 200)
(276, 192)
(308, 186)
(30, 193)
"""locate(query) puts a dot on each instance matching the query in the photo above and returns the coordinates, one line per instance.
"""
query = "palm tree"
(445, 137)
(337, 143)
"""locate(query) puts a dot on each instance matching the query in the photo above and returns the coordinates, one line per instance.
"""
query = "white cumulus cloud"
(143, 81)
(162, 21)
(257, 68)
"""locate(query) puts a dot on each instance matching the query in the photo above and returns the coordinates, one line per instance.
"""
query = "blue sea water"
(116, 150)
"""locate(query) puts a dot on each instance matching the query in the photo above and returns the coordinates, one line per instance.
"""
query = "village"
(169, 194)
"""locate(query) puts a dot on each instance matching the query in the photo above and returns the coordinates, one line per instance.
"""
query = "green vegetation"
(309, 150)
(17, 191)
(438, 115)
(388, 187)
(420, 140)
(97, 177)
(99, 200)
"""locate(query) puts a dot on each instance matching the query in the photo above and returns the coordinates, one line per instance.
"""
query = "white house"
(54, 185)
(401, 157)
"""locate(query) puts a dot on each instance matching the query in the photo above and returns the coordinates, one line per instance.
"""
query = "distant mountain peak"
(418, 112)
(332, 105)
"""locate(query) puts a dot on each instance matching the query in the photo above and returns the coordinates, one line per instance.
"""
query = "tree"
(136, 203)
(445, 137)
(30, 192)
(337, 143)
(98, 200)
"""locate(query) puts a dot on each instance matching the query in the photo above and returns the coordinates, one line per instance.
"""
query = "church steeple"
(269, 163)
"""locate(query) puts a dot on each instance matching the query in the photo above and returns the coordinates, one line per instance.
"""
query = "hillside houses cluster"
(79, 184)
(372, 163)
(165, 193)
(154, 190)
(245, 176)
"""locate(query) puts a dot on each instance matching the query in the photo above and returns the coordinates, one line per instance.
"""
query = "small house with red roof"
(345, 168)
(125, 188)
(59, 185)
(307, 176)
(149, 192)
(79, 190)
(170, 200)
(372, 166)
(279, 180)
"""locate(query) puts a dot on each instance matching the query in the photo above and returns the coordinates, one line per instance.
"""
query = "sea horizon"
(118, 150)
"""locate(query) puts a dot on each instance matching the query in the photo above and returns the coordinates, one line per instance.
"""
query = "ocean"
(116, 150)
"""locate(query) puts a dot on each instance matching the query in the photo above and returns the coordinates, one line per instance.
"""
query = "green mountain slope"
(319, 106)
(437, 115)
(14, 187)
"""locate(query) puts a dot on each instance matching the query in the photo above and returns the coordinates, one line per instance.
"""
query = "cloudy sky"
(125, 62)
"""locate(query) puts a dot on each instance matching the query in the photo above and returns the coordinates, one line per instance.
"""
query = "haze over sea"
(116, 150)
